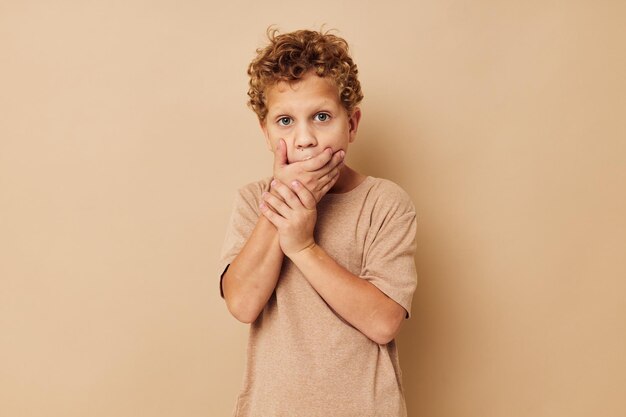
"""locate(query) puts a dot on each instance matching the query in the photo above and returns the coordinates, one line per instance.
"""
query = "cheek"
(338, 137)
(273, 140)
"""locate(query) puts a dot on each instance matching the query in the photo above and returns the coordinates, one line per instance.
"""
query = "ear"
(263, 126)
(353, 123)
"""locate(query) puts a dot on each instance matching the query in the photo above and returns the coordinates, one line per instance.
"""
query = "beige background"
(124, 135)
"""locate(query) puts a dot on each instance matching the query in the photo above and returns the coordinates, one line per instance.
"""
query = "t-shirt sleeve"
(243, 219)
(389, 260)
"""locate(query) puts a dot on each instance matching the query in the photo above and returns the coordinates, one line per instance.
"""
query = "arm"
(356, 300)
(251, 277)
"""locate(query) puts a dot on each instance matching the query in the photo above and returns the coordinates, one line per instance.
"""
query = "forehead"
(309, 91)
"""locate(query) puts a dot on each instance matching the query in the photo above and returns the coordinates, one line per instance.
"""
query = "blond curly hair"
(289, 56)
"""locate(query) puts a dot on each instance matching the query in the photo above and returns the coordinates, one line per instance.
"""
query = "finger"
(274, 218)
(318, 161)
(276, 204)
(304, 195)
(288, 196)
(325, 179)
(280, 154)
(324, 190)
(334, 163)
(275, 193)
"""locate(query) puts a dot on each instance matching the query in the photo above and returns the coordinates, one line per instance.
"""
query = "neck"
(348, 180)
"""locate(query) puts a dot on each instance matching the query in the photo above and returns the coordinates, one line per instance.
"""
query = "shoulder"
(390, 197)
(254, 188)
(249, 194)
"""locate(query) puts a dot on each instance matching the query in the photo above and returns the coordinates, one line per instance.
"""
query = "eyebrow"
(323, 105)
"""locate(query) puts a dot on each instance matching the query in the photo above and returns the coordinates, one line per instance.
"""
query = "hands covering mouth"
(317, 173)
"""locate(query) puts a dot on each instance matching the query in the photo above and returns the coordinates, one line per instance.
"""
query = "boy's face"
(309, 116)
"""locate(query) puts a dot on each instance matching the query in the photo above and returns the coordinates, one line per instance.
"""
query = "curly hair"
(290, 55)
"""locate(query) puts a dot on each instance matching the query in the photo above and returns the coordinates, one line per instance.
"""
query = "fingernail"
(342, 154)
(295, 184)
(273, 183)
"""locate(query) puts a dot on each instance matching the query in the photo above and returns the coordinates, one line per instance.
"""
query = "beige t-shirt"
(303, 359)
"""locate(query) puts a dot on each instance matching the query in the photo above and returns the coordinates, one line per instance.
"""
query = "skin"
(304, 120)
(309, 131)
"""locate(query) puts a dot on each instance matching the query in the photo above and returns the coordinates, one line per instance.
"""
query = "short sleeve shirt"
(305, 360)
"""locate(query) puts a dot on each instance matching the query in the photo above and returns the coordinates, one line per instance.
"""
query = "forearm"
(356, 300)
(252, 276)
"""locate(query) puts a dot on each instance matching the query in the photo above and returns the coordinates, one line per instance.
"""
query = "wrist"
(306, 250)
(266, 226)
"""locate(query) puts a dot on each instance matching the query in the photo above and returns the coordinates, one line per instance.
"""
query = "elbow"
(386, 330)
(240, 307)
(382, 337)
(242, 311)
(243, 317)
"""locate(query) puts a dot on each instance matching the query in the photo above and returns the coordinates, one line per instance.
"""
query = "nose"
(304, 136)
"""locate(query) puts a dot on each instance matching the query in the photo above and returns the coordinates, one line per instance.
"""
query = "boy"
(318, 258)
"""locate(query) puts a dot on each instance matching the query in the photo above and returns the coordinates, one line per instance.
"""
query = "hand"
(294, 216)
(317, 174)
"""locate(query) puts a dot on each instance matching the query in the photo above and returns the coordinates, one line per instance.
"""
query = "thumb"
(280, 154)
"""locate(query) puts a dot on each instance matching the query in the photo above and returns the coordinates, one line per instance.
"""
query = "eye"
(284, 121)
(322, 117)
